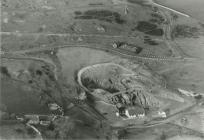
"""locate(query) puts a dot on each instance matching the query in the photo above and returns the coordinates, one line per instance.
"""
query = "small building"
(53, 106)
(100, 28)
(115, 45)
(127, 47)
(45, 123)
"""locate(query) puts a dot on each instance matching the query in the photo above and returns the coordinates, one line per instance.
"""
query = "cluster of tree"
(185, 31)
(149, 28)
(156, 18)
(103, 15)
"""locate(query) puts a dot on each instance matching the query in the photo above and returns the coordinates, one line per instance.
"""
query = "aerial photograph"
(102, 70)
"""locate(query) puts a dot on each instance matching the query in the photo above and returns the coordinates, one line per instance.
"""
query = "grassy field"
(37, 19)
(73, 59)
(25, 84)
(19, 99)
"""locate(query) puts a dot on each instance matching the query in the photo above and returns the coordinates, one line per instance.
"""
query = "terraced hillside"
(131, 95)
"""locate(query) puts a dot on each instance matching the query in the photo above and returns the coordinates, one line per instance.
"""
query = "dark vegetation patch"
(18, 130)
(153, 20)
(163, 136)
(144, 26)
(198, 97)
(156, 32)
(5, 71)
(174, 16)
(202, 25)
(40, 29)
(31, 132)
(38, 72)
(95, 4)
(42, 78)
(136, 1)
(185, 31)
(148, 40)
(149, 28)
(156, 18)
(91, 85)
(78, 13)
(4, 3)
(102, 15)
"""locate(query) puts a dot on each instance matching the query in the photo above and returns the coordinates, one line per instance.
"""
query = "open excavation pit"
(126, 91)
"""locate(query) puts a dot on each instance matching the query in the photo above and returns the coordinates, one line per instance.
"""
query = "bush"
(5, 71)
(144, 26)
(103, 15)
(77, 12)
(156, 32)
(149, 28)
(184, 31)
